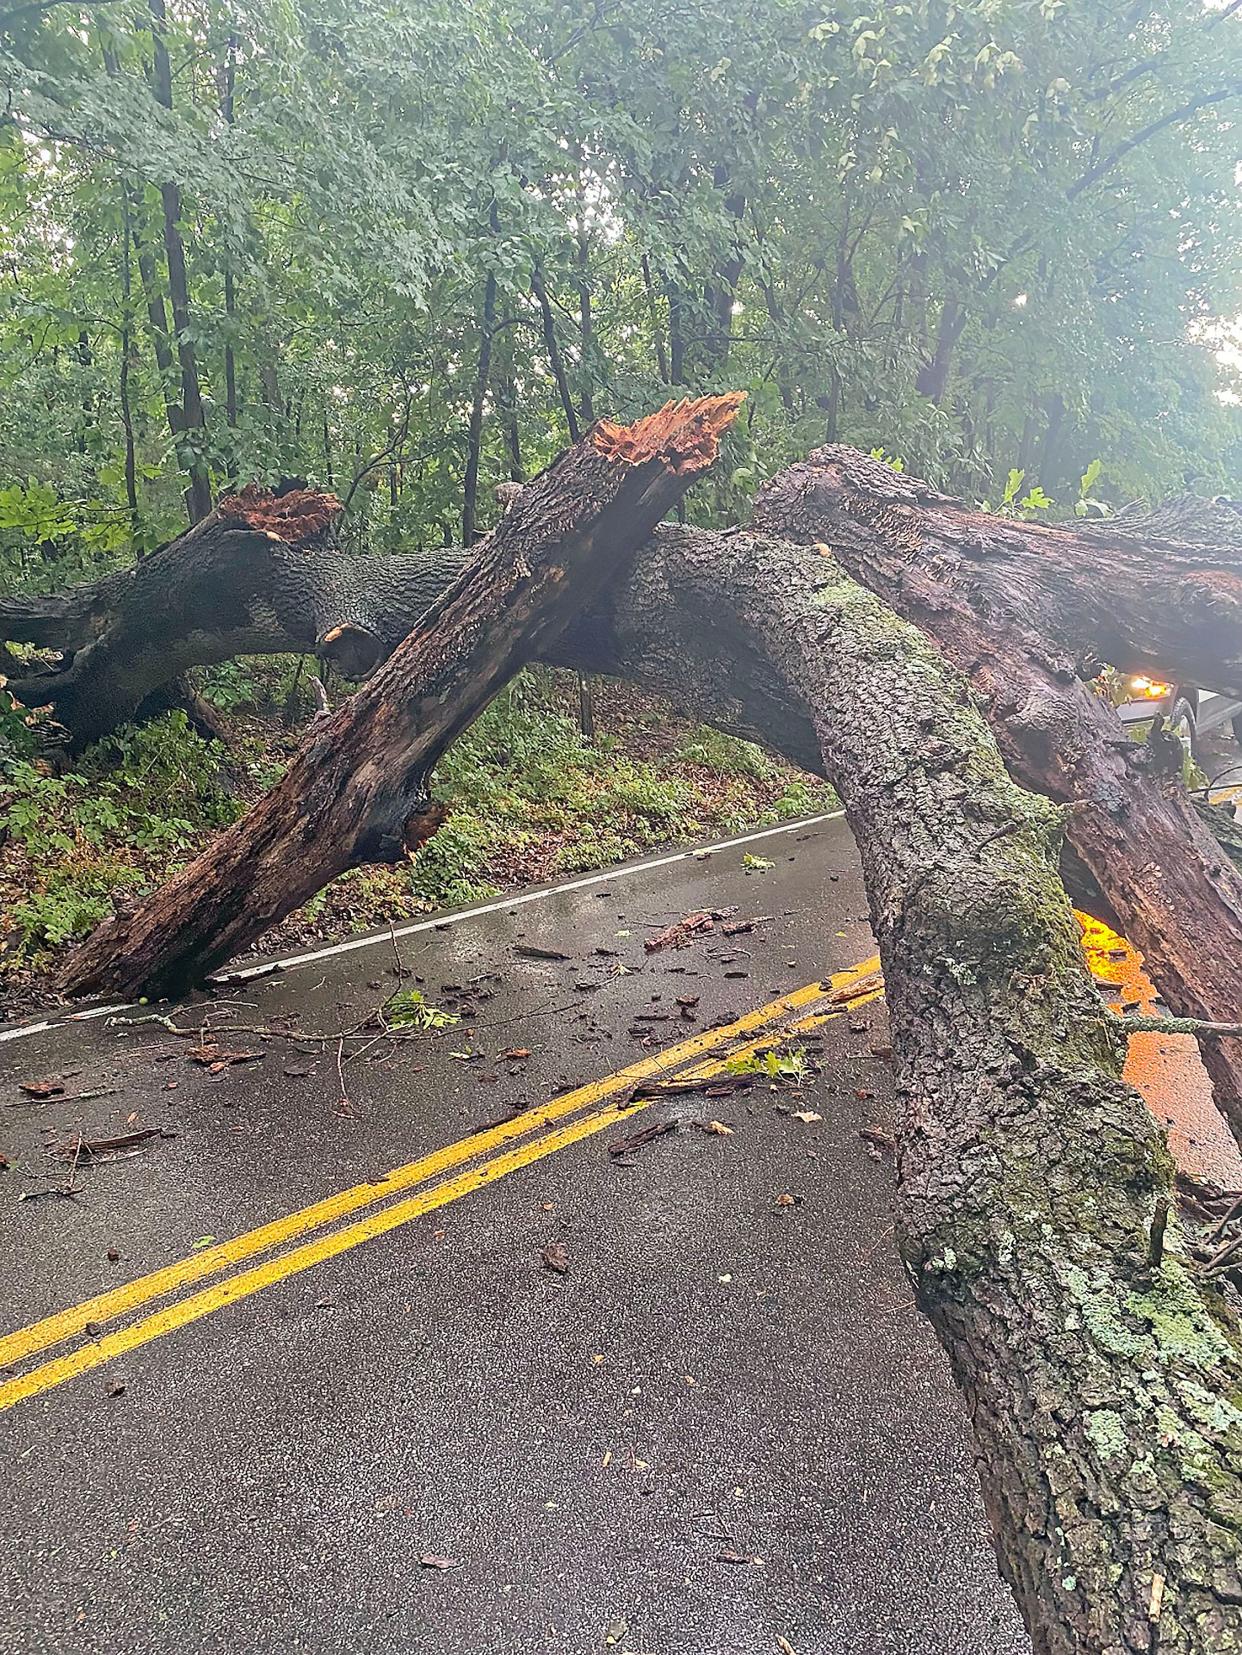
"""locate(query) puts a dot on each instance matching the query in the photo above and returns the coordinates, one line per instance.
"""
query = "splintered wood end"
(684, 435)
(295, 517)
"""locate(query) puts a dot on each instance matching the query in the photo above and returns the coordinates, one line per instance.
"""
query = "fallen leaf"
(556, 1256)
(784, 1645)
(528, 951)
(806, 1115)
(718, 1129)
(784, 1200)
(203, 1241)
(516, 1054)
(430, 1561)
(51, 1088)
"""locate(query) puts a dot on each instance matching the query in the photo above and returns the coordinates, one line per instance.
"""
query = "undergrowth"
(530, 799)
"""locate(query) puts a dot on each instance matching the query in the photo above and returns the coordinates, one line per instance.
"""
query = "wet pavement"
(386, 1420)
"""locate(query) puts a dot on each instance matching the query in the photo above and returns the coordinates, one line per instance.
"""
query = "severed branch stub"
(358, 789)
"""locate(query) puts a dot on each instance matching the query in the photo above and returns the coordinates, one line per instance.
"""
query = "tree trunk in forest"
(126, 369)
(192, 420)
(228, 79)
(1017, 608)
(474, 432)
(357, 790)
(556, 361)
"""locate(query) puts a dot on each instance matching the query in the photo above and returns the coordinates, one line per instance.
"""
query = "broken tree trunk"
(273, 581)
(260, 575)
(1174, 892)
(1102, 1378)
(357, 790)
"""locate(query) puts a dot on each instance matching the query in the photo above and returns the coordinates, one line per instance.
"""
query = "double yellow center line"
(483, 1157)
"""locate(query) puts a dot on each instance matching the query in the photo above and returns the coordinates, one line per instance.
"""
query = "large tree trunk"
(259, 576)
(1013, 607)
(1101, 1378)
(357, 790)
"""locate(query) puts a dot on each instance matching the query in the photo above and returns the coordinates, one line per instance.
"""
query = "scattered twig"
(64, 1097)
(869, 984)
(622, 1146)
(1136, 1023)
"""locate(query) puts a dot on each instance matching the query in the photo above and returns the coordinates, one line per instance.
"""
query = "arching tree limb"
(1102, 1386)
(1013, 607)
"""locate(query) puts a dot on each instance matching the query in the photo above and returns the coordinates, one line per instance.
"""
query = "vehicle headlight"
(1148, 689)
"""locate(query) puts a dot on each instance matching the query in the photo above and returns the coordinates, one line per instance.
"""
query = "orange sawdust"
(296, 516)
(684, 435)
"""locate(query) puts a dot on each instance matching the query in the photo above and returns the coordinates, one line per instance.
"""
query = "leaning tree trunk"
(1176, 895)
(1101, 1377)
(357, 790)
(261, 575)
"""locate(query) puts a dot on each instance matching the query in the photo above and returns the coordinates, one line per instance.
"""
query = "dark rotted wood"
(1175, 893)
(357, 790)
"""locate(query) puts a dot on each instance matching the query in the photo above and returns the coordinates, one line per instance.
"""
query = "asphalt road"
(722, 1425)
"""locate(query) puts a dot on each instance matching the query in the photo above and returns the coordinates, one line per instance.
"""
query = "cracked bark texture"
(1174, 892)
(1103, 1389)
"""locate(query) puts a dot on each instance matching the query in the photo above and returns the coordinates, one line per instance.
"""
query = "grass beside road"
(531, 799)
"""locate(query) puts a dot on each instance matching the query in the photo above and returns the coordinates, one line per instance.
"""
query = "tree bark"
(357, 790)
(193, 421)
(1100, 1374)
(1176, 895)
(474, 432)
(1102, 1385)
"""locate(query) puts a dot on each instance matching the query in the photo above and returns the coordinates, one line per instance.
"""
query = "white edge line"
(278, 967)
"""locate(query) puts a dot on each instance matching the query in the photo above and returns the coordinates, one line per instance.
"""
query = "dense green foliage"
(983, 236)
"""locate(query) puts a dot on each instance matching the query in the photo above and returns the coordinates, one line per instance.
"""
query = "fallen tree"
(1034, 1187)
(1014, 605)
(357, 790)
(1019, 610)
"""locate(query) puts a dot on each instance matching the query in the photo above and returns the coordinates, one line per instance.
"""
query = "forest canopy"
(407, 251)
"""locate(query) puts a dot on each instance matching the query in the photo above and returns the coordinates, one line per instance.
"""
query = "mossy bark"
(1104, 1389)
(1015, 608)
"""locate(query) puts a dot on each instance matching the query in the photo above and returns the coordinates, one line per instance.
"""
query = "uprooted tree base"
(1035, 1190)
